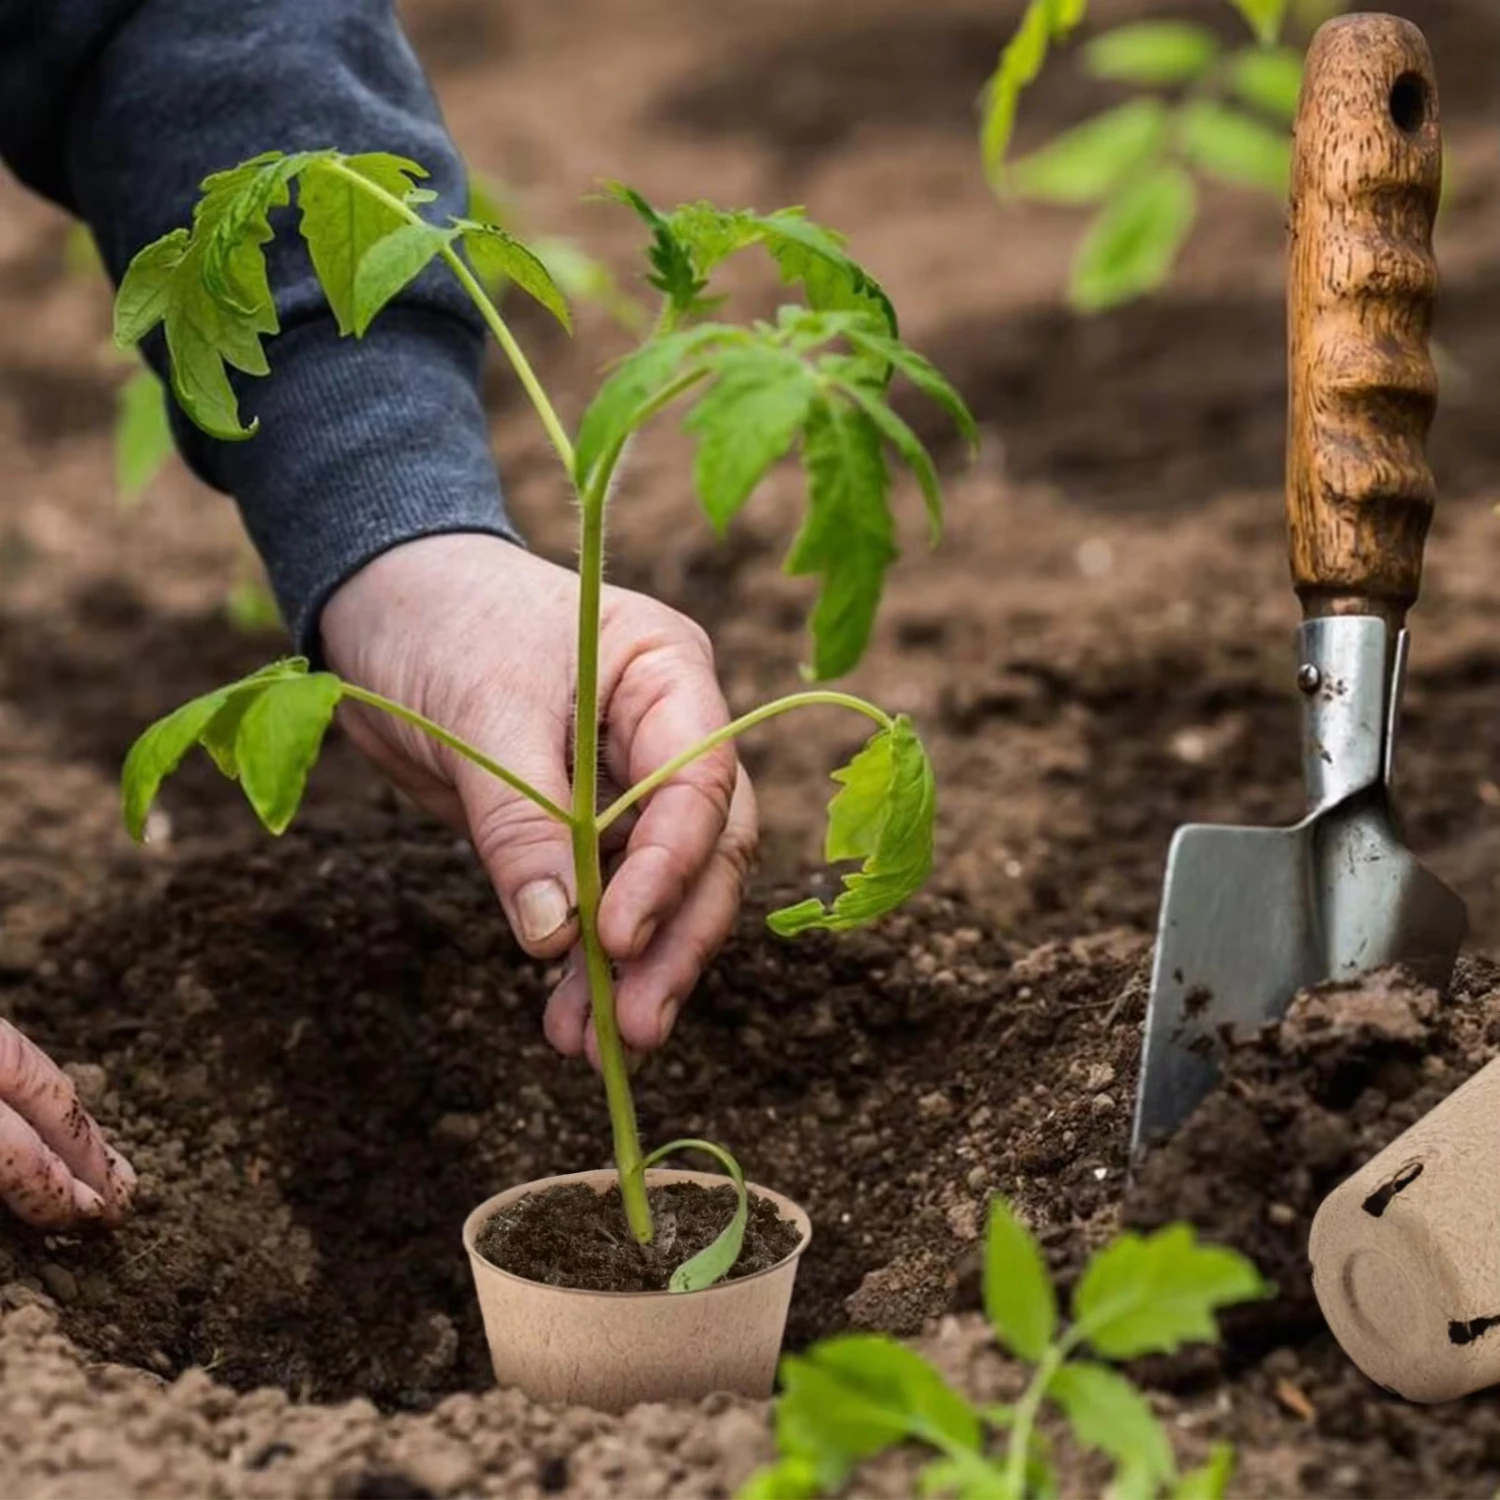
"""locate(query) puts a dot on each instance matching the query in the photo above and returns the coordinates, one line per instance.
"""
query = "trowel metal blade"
(1252, 915)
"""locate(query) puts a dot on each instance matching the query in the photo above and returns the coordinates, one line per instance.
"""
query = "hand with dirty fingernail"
(478, 635)
(56, 1169)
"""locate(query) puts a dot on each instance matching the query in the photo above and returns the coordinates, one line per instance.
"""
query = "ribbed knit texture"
(117, 109)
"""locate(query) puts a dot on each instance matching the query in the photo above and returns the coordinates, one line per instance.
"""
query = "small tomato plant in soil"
(849, 1398)
(815, 378)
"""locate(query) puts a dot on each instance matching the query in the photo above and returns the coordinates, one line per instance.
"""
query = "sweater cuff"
(363, 444)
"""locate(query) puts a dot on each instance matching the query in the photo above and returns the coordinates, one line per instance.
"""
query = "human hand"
(55, 1169)
(479, 636)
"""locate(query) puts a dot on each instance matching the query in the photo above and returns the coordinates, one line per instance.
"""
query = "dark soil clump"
(572, 1236)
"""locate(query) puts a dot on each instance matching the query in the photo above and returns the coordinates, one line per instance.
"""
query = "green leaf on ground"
(1018, 1295)
(1154, 54)
(1106, 1412)
(1152, 1294)
(1130, 247)
(1087, 163)
(883, 816)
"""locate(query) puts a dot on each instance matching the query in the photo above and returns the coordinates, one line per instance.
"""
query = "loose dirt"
(322, 1051)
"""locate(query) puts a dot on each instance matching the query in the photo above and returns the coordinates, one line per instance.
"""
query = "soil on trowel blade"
(572, 1236)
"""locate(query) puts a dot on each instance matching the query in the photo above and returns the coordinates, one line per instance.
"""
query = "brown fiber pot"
(614, 1350)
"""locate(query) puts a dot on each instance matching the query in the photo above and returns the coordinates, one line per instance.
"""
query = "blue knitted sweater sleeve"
(117, 109)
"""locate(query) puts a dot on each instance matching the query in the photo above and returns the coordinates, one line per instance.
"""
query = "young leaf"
(1264, 16)
(1152, 1294)
(747, 420)
(1044, 22)
(340, 220)
(791, 1478)
(921, 372)
(1106, 1412)
(1086, 164)
(1129, 249)
(814, 257)
(895, 431)
(964, 1476)
(392, 263)
(1018, 1295)
(847, 537)
(1235, 146)
(498, 257)
(673, 272)
(1210, 1480)
(231, 222)
(882, 815)
(142, 434)
(159, 751)
(1268, 78)
(715, 1261)
(278, 741)
(146, 289)
(1152, 53)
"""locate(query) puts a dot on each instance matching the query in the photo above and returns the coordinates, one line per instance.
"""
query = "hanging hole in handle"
(1409, 102)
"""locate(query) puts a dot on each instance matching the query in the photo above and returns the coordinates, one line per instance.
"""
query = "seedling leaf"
(895, 431)
(1152, 53)
(1130, 247)
(1044, 22)
(745, 422)
(498, 256)
(341, 221)
(1235, 146)
(1018, 1295)
(142, 434)
(883, 815)
(1106, 1412)
(919, 370)
(1264, 16)
(1268, 78)
(1211, 1479)
(790, 1478)
(1087, 163)
(715, 1261)
(278, 741)
(1152, 1294)
(393, 263)
(673, 272)
(146, 290)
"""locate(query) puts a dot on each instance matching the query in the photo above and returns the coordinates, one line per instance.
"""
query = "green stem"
(649, 784)
(1027, 1409)
(459, 747)
(487, 310)
(588, 872)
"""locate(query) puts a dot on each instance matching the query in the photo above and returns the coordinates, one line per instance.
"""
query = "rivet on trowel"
(1309, 678)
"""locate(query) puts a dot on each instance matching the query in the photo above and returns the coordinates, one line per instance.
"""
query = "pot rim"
(789, 1210)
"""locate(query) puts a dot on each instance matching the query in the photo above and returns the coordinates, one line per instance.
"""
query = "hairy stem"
(556, 433)
(649, 784)
(586, 862)
(459, 747)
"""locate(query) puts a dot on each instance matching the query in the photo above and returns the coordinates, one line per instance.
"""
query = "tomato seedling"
(817, 377)
(849, 1398)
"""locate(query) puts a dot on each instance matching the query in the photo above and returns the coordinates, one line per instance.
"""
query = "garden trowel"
(1251, 915)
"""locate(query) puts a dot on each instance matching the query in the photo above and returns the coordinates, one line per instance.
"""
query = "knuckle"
(504, 830)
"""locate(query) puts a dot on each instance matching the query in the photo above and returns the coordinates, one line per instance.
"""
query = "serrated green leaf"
(146, 289)
(160, 749)
(920, 371)
(142, 434)
(632, 384)
(1210, 1481)
(847, 538)
(1087, 163)
(896, 432)
(1263, 16)
(815, 258)
(499, 257)
(341, 221)
(1019, 1299)
(1152, 53)
(673, 273)
(1235, 146)
(391, 264)
(1268, 78)
(882, 815)
(231, 222)
(1106, 1412)
(278, 741)
(1152, 1294)
(1130, 247)
(747, 420)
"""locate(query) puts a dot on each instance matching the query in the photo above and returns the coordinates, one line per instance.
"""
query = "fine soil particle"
(575, 1237)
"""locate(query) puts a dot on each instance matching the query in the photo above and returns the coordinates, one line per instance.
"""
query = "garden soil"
(322, 1051)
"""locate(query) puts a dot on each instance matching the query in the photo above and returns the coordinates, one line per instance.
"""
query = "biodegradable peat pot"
(614, 1350)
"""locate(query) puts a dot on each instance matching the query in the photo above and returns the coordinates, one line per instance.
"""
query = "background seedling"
(815, 378)
(850, 1398)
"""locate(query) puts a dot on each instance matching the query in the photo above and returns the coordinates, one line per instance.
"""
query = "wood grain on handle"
(1366, 170)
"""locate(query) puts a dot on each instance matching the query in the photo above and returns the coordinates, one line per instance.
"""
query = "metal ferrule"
(1350, 674)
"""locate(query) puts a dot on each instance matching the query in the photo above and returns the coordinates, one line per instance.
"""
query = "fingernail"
(87, 1201)
(122, 1172)
(541, 908)
(669, 1014)
(643, 935)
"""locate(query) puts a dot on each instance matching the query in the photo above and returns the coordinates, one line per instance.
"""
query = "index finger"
(680, 825)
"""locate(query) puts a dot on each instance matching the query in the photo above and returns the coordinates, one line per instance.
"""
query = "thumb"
(526, 852)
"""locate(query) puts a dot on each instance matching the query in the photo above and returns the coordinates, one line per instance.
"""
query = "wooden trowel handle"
(1366, 170)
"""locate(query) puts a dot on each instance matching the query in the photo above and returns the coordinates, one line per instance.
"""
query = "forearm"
(126, 107)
